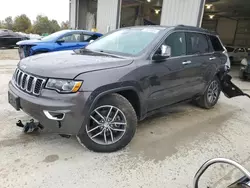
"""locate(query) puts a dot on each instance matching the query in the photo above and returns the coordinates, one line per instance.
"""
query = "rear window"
(230, 49)
(216, 43)
(196, 43)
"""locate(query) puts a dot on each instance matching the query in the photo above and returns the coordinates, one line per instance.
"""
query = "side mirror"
(60, 41)
(164, 53)
(91, 41)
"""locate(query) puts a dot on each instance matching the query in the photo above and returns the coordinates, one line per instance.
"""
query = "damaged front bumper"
(58, 113)
(229, 88)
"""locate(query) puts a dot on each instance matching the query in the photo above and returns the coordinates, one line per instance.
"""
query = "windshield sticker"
(151, 30)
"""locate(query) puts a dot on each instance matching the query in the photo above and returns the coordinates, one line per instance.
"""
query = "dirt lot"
(166, 152)
(6, 54)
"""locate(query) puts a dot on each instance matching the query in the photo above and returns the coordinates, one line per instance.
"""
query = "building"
(111, 14)
(230, 18)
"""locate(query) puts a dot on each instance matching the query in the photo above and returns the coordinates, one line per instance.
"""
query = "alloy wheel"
(107, 125)
(213, 91)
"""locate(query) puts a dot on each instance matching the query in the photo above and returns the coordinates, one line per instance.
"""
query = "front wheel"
(211, 95)
(112, 125)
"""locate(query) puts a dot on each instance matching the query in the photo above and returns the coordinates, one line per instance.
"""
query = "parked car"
(236, 54)
(61, 40)
(245, 68)
(8, 38)
(100, 92)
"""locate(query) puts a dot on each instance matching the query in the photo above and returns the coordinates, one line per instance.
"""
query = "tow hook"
(30, 126)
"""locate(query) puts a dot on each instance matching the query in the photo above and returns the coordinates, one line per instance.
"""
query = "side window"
(84, 37)
(197, 43)
(236, 50)
(211, 48)
(72, 38)
(177, 43)
(241, 50)
(93, 37)
(216, 43)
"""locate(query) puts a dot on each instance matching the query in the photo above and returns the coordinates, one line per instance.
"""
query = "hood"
(29, 42)
(69, 64)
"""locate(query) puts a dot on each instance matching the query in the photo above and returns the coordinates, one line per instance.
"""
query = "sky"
(54, 9)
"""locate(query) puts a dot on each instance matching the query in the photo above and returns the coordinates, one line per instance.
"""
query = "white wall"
(187, 12)
(72, 13)
(107, 15)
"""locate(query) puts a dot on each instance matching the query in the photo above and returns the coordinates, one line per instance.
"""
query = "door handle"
(186, 62)
(212, 58)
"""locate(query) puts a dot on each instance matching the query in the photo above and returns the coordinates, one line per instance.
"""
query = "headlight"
(244, 62)
(64, 86)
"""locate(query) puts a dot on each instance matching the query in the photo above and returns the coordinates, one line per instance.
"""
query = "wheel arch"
(129, 92)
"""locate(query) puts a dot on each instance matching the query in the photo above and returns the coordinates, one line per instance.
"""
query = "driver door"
(69, 42)
(170, 81)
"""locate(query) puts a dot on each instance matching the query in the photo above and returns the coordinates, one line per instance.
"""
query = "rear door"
(217, 58)
(198, 51)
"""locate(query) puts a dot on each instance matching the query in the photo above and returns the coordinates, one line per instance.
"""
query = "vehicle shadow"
(162, 135)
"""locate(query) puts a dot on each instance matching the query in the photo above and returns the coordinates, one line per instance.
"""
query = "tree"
(22, 23)
(1, 24)
(65, 25)
(54, 26)
(8, 23)
(44, 25)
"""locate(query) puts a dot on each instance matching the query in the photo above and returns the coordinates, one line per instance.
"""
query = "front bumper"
(71, 107)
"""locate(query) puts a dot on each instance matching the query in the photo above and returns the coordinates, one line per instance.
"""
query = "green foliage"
(65, 25)
(44, 25)
(41, 25)
(22, 23)
(8, 23)
(1, 24)
(54, 26)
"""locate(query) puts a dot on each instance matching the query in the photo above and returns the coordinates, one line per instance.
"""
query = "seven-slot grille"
(28, 83)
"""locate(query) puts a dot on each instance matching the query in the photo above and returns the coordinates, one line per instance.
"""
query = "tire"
(118, 109)
(243, 76)
(205, 100)
(231, 59)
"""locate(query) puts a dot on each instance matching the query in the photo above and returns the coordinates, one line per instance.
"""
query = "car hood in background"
(29, 42)
(69, 64)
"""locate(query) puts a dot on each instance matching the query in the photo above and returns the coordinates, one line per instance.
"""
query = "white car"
(236, 54)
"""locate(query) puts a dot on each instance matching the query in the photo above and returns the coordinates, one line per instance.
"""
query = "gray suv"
(100, 92)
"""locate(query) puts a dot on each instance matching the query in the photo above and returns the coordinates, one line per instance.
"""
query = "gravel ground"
(166, 151)
(9, 54)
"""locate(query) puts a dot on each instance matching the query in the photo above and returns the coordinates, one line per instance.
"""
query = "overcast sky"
(54, 9)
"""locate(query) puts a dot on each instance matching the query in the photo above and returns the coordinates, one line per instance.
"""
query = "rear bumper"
(58, 113)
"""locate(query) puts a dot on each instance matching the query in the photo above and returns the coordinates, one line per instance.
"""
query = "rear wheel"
(211, 95)
(112, 125)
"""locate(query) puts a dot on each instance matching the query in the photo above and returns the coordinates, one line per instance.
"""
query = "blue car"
(61, 40)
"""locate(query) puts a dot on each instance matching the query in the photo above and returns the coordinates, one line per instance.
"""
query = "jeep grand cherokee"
(100, 92)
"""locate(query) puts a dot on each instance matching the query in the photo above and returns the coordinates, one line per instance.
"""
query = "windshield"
(53, 36)
(125, 42)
